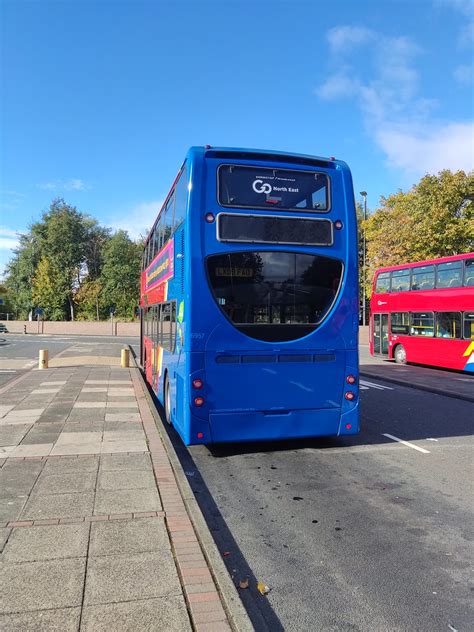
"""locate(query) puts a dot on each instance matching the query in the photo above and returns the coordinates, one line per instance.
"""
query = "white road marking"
(407, 443)
(364, 388)
(6, 371)
(378, 386)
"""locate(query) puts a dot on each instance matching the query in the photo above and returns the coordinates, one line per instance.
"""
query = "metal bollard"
(125, 358)
(43, 359)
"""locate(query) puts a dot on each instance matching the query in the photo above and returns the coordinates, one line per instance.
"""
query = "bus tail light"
(350, 379)
(209, 217)
(198, 401)
(338, 224)
(200, 435)
(198, 383)
(348, 426)
(349, 395)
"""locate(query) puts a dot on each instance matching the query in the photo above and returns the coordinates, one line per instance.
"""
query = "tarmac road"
(357, 534)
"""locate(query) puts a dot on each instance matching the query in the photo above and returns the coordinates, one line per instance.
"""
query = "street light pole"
(364, 195)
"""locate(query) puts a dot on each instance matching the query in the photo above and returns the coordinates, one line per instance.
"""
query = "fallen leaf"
(244, 583)
(262, 588)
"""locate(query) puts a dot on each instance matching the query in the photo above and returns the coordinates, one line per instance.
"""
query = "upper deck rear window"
(263, 187)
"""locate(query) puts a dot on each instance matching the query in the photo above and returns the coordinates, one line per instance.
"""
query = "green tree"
(87, 300)
(49, 290)
(434, 219)
(121, 274)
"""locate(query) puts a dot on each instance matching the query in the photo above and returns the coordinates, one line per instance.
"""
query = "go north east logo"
(469, 353)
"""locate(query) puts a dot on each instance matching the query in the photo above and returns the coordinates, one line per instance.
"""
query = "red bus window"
(448, 325)
(422, 324)
(469, 325)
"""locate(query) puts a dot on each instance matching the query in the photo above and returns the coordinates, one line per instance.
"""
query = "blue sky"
(100, 100)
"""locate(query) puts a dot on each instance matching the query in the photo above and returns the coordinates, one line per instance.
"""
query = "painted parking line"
(366, 385)
(407, 443)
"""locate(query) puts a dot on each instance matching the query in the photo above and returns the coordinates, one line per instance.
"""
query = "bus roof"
(467, 255)
(239, 153)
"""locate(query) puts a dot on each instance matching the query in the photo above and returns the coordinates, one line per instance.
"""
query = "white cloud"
(397, 118)
(464, 74)
(8, 238)
(139, 219)
(344, 38)
(429, 151)
(73, 184)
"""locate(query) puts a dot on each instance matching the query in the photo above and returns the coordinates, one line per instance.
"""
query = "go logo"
(261, 187)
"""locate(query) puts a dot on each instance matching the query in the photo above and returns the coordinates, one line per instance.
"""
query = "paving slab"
(63, 620)
(89, 404)
(126, 462)
(41, 506)
(17, 421)
(109, 447)
(6, 409)
(126, 501)
(168, 614)
(127, 577)
(79, 438)
(35, 449)
(124, 416)
(31, 586)
(39, 435)
(4, 535)
(140, 479)
(132, 405)
(65, 483)
(31, 544)
(71, 465)
(18, 481)
(129, 536)
(13, 434)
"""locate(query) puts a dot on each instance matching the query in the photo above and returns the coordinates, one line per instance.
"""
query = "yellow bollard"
(125, 358)
(43, 359)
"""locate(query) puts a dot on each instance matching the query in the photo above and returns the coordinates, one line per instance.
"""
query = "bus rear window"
(274, 296)
(263, 187)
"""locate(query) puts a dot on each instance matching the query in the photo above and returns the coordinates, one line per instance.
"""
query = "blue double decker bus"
(249, 298)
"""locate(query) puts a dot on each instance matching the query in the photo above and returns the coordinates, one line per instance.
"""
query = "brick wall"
(81, 328)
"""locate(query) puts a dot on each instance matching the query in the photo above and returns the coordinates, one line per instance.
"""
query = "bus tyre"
(400, 354)
(167, 401)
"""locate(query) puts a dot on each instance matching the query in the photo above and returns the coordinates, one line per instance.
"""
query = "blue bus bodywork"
(243, 360)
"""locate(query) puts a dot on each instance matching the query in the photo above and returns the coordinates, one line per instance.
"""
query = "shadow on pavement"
(258, 608)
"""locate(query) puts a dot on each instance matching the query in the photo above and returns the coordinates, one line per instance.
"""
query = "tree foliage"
(59, 266)
(434, 219)
(121, 274)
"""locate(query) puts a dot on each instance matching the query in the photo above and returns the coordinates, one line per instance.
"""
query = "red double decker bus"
(423, 312)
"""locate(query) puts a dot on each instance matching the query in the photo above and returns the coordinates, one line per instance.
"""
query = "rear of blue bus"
(272, 314)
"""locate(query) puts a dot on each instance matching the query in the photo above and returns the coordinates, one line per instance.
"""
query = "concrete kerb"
(236, 613)
(416, 385)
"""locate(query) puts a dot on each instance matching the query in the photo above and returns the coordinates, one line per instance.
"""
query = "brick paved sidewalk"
(94, 534)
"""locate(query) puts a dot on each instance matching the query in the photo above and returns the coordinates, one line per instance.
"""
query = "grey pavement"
(456, 384)
(84, 543)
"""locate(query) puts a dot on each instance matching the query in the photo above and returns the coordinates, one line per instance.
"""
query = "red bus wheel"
(167, 400)
(400, 354)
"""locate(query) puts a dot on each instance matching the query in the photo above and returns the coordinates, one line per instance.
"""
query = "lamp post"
(364, 195)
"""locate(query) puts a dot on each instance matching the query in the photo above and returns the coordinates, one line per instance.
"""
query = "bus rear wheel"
(400, 354)
(167, 400)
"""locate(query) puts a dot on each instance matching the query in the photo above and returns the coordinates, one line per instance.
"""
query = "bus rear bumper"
(270, 425)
